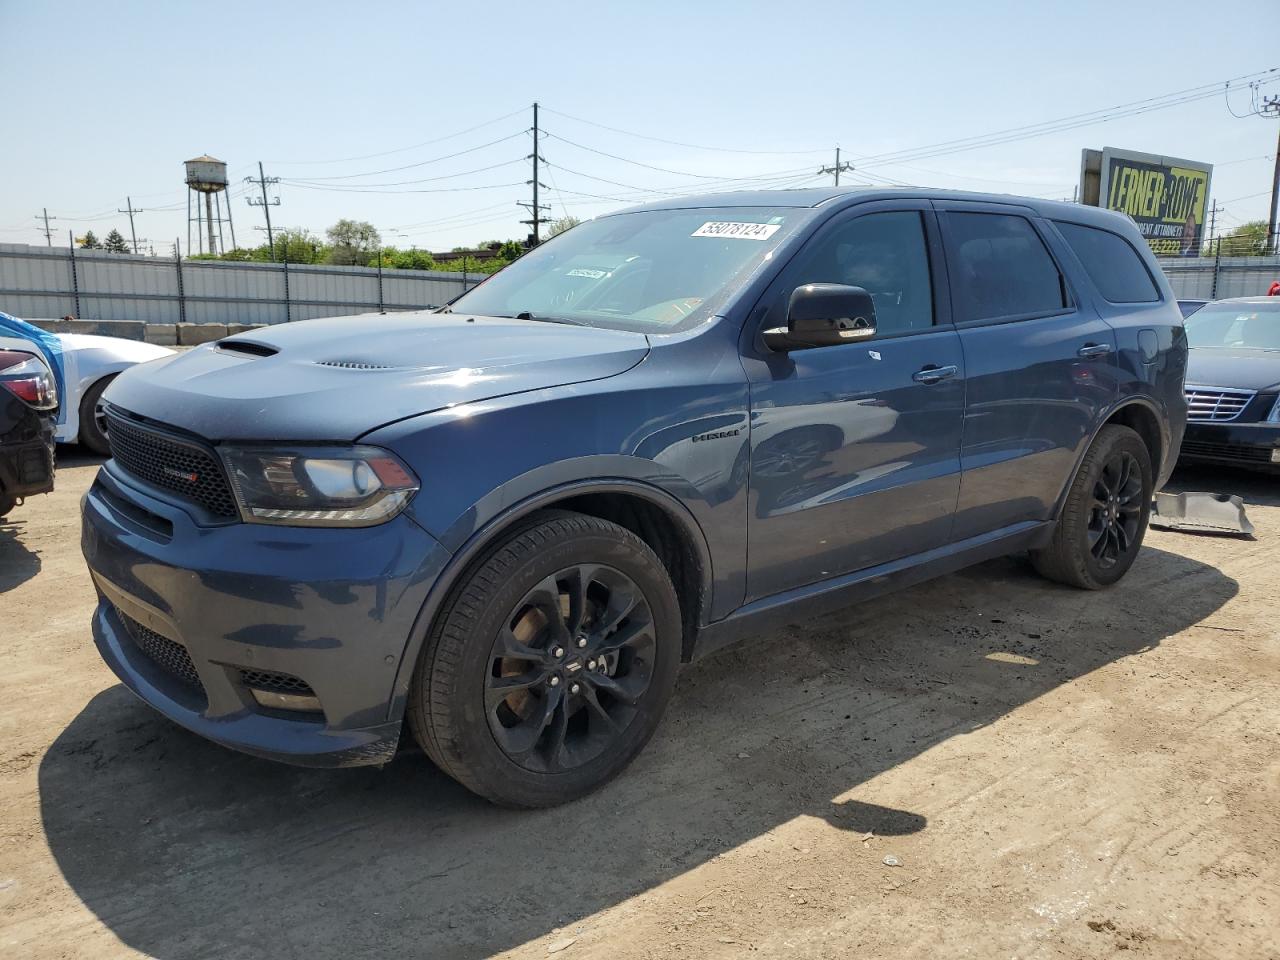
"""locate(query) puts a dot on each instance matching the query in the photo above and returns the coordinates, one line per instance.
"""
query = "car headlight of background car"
(356, 486)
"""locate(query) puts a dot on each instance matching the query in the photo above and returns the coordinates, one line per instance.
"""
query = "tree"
(511, 250)
(353, 241)
(297, 244)
(90, 242)
(115, 243)
(558, 227)
(1247, 240)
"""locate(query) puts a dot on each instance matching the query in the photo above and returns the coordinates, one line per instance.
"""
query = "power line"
(421, 163)
(416, 146)
(402, 183)
(678, 143)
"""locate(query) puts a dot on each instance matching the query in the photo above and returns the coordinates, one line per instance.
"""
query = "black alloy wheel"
(1102, 522)
(568, 668)
(1116, 510)
(552, 662)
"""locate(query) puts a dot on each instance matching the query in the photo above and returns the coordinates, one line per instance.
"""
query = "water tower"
(207, 186)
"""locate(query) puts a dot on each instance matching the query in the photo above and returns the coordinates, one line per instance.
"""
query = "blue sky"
(107, 100)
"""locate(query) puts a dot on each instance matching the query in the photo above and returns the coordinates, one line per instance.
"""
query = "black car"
(28, 401)
(1233, 383)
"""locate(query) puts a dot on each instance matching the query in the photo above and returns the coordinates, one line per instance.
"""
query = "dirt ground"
(1057, 773)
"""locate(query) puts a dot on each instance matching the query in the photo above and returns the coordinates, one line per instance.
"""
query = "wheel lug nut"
(582, 642)
(554, 681)
(557, 652)
(575, 688)
(591, 664)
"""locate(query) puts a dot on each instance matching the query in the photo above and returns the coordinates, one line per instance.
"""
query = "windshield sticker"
(587, 272)
(736, 231)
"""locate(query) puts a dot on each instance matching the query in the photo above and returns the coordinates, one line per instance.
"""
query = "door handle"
(932, 374)
(1091, 351)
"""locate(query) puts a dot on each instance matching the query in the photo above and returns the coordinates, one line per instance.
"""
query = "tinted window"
(1112, 264)
(1000, 268)
(885, 254)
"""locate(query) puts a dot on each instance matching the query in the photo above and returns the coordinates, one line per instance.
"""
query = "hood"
(116, 348)
(1222, 367)
(338, 378)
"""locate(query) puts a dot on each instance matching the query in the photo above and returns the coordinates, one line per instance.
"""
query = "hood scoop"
(247, 347)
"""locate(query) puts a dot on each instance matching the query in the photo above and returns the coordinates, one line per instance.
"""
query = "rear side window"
(1112, 264)
(1001, 268)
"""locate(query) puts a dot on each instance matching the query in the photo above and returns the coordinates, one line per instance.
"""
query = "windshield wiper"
(526, 315)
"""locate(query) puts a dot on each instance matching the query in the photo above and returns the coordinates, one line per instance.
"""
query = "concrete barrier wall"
(57, 281)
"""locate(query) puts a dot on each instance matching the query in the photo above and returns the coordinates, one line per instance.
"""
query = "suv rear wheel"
(1105, 517)
(551, 665)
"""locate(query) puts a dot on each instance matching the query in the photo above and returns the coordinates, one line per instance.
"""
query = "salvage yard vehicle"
(28, 402)
(84, 365)
(1233, 384)
(506, 523)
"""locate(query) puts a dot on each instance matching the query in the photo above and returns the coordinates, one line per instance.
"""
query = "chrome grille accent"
(1216, 404)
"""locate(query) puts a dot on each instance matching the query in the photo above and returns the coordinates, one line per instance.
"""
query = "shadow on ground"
(186, 850)
(18, 562)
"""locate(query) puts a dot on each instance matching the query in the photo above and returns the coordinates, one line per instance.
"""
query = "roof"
(203, 159)
(821, 196)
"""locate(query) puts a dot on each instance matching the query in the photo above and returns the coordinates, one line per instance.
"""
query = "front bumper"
(1255, 445)
(189, 615)
(26, 453)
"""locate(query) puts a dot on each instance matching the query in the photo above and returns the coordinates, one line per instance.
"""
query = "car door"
(1039, 361)
(855, 448)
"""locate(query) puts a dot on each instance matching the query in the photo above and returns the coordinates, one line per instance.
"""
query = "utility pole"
(1214, 210)
(48, 234)
(130, 209)
(535, 209)
(262, 180)
(836, 170)
(1271, 108)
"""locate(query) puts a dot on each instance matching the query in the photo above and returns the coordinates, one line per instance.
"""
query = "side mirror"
(824, 315)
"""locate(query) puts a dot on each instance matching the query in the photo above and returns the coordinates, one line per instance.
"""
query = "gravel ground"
(1054, 774)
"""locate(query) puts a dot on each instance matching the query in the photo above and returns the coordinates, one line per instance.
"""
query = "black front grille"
(170, 657)
(275, 682)
(1226, 451)
(185, 468)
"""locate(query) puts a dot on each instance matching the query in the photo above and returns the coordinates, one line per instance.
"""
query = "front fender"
(500, 519)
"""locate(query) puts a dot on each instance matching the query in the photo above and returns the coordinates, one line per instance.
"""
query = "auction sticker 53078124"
(737, 231)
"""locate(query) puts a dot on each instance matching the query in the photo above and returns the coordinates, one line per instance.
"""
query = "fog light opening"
(275, 700)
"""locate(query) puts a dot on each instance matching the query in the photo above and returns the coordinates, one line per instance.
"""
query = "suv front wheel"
(1105, 517)
(551, 665)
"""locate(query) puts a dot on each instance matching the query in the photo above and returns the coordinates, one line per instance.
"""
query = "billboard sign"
(1168, 198)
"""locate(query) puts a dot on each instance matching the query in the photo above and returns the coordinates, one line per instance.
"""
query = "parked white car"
(90, 363)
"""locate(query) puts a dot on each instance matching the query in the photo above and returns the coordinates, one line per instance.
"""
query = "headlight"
(1274, 415)
(318, 486)
(26, 376)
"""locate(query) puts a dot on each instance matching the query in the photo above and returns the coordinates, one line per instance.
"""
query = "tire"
(93, 434)
(1100, 531)
(7, 503)
(567, 596)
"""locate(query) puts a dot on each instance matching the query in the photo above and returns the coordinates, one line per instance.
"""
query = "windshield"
(653, 271)
(1236, 326)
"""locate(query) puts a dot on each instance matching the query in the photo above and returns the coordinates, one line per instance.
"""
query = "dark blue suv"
(508, 521)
